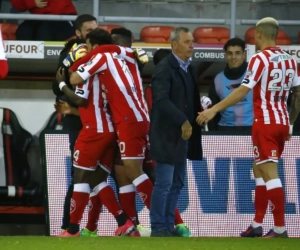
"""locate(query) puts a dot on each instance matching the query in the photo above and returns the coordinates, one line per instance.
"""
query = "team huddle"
(113, 112)
(105, 83)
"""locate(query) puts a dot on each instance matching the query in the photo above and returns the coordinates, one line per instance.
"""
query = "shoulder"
(219, 76)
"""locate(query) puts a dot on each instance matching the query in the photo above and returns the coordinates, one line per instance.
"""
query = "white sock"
(255, 224)
(279, 230)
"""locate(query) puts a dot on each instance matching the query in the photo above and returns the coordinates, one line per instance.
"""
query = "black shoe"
(161, 233)
(174, 233)
(252, 232)
(273, 234)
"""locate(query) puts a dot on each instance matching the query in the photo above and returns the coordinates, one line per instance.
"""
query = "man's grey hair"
(174, 36)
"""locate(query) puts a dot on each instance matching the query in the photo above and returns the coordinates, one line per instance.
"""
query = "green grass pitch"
(126, 243)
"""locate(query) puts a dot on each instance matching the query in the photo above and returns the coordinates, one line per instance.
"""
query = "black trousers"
(33, 30)
(67, 203)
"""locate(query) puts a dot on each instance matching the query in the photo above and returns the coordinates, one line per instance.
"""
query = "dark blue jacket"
(172, 106)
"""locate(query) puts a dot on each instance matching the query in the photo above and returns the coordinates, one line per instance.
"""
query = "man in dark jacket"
(84, 24)
(174, 134)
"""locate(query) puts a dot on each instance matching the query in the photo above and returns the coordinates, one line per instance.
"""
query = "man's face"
(86, 28)
(184, 46)
(234, 56)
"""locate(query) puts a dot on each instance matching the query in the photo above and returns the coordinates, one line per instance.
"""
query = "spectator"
(36, 30)
(174, 134)
(240, 116)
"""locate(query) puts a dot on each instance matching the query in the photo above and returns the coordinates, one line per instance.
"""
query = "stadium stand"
(211, 35)
(282, 38)
(156, 34)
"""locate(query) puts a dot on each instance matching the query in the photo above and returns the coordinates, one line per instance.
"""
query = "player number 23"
(278, 75)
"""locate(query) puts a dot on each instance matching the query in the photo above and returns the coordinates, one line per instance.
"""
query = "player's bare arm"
(295, 104)
(76, 79)
(65, 108)
(77, 100)
(235, 97)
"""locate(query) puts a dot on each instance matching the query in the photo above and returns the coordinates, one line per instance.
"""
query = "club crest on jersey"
(249, 73)
(76, 155)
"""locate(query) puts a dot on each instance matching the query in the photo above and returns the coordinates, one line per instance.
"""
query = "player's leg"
(260, 205)
(126, 192)
(79, 200)
(73, 134)
(85, 162)
(95, 206)
(106, 193)
(132, 144)
(270, 146)
(275, 194)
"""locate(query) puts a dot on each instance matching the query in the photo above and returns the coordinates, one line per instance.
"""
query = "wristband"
(291, 129)
(61, 85)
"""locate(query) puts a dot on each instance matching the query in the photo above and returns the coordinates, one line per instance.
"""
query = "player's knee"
(256, 171)
(121, 176)
(99, 176)
(133, 169)
(82, 176)
(268, 171)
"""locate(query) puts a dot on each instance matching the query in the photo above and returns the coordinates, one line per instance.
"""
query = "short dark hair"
(160, 54)
(125, 36)
(82, 19)
(99, 36)
(235, 42)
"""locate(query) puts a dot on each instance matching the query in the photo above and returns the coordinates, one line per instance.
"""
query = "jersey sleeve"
(254, 72)
(83, 90)
(92, 67)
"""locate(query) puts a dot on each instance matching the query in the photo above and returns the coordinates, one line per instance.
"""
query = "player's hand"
(141, 56)
(63, 108)
(60, 75)
(186, 130)
(77, 51)
(290, 133)
(41, 3)
(288, 138)
(205, 116)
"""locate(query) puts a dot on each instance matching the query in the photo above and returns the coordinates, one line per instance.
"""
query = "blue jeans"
(169, 181)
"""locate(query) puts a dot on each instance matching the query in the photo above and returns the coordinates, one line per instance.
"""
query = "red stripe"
(59, 117)
(20, 191)
(8, 151)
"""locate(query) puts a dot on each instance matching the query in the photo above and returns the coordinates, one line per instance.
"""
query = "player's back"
(94, 115)
(128, 55)
(275, 71)
(121, 91)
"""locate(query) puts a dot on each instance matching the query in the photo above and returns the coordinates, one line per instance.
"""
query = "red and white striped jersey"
(118, 86)
(271, 73)
(94, 115)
